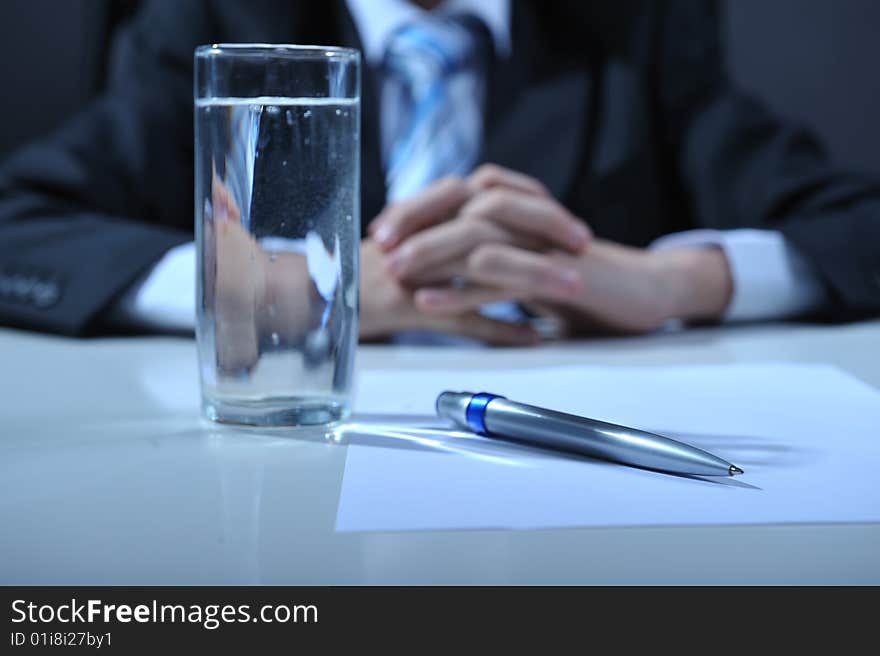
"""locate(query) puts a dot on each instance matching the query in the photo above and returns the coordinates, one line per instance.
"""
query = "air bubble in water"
(273, 109)
(289, 117)
(307, 113)
(276, 339)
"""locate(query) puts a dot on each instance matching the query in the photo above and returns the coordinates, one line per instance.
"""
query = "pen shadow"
(746, 451)
(427, 433)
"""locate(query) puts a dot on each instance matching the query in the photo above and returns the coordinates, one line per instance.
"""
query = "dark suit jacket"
(624, 110)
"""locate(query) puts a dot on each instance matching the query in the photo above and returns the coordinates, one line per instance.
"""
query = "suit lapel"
(536, 113)
(372, 175)
(542, 133)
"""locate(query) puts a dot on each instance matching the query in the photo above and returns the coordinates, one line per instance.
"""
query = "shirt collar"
(376, 21)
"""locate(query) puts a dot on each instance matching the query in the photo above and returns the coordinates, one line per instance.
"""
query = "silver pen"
(495, 416)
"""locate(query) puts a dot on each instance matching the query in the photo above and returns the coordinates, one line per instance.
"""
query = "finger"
(224, 206)
(435, 204)
(498, 333)
(536, 216)
(446, 301)
(492, 175)
(237, 346)
(438, 276)
(526, 275)
(442, 244)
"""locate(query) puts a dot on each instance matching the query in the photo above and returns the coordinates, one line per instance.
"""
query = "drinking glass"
(277, 218)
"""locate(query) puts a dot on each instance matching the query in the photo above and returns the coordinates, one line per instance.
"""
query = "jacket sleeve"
(740, 166)
(86, 210)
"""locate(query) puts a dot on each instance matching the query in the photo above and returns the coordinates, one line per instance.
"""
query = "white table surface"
(109, 476)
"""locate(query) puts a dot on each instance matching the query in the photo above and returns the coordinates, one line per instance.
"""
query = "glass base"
(277, 412)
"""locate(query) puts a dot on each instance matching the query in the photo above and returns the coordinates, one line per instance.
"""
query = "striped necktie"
(436, 69)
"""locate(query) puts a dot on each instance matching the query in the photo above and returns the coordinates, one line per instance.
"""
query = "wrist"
(698, 283)
(380, 307)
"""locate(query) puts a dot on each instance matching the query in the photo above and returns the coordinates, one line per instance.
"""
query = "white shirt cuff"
(771, 280)
(165, 297)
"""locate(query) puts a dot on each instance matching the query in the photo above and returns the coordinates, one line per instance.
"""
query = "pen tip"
(734, 470)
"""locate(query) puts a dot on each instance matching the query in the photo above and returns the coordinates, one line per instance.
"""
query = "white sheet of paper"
(807, 436)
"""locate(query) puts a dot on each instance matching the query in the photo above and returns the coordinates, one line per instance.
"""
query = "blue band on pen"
(476, 411)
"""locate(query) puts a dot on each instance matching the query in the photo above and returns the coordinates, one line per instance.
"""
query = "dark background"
(812, 60)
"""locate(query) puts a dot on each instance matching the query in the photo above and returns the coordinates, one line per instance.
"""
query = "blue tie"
(436, 66)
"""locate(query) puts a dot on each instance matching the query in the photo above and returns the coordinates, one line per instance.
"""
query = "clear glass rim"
(291, 50)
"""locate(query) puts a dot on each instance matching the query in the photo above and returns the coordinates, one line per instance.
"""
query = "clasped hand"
(436, 259)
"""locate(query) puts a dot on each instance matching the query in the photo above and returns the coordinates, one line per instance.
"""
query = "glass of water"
(277, 216)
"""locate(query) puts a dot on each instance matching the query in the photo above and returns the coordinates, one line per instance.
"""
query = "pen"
(495, 416)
